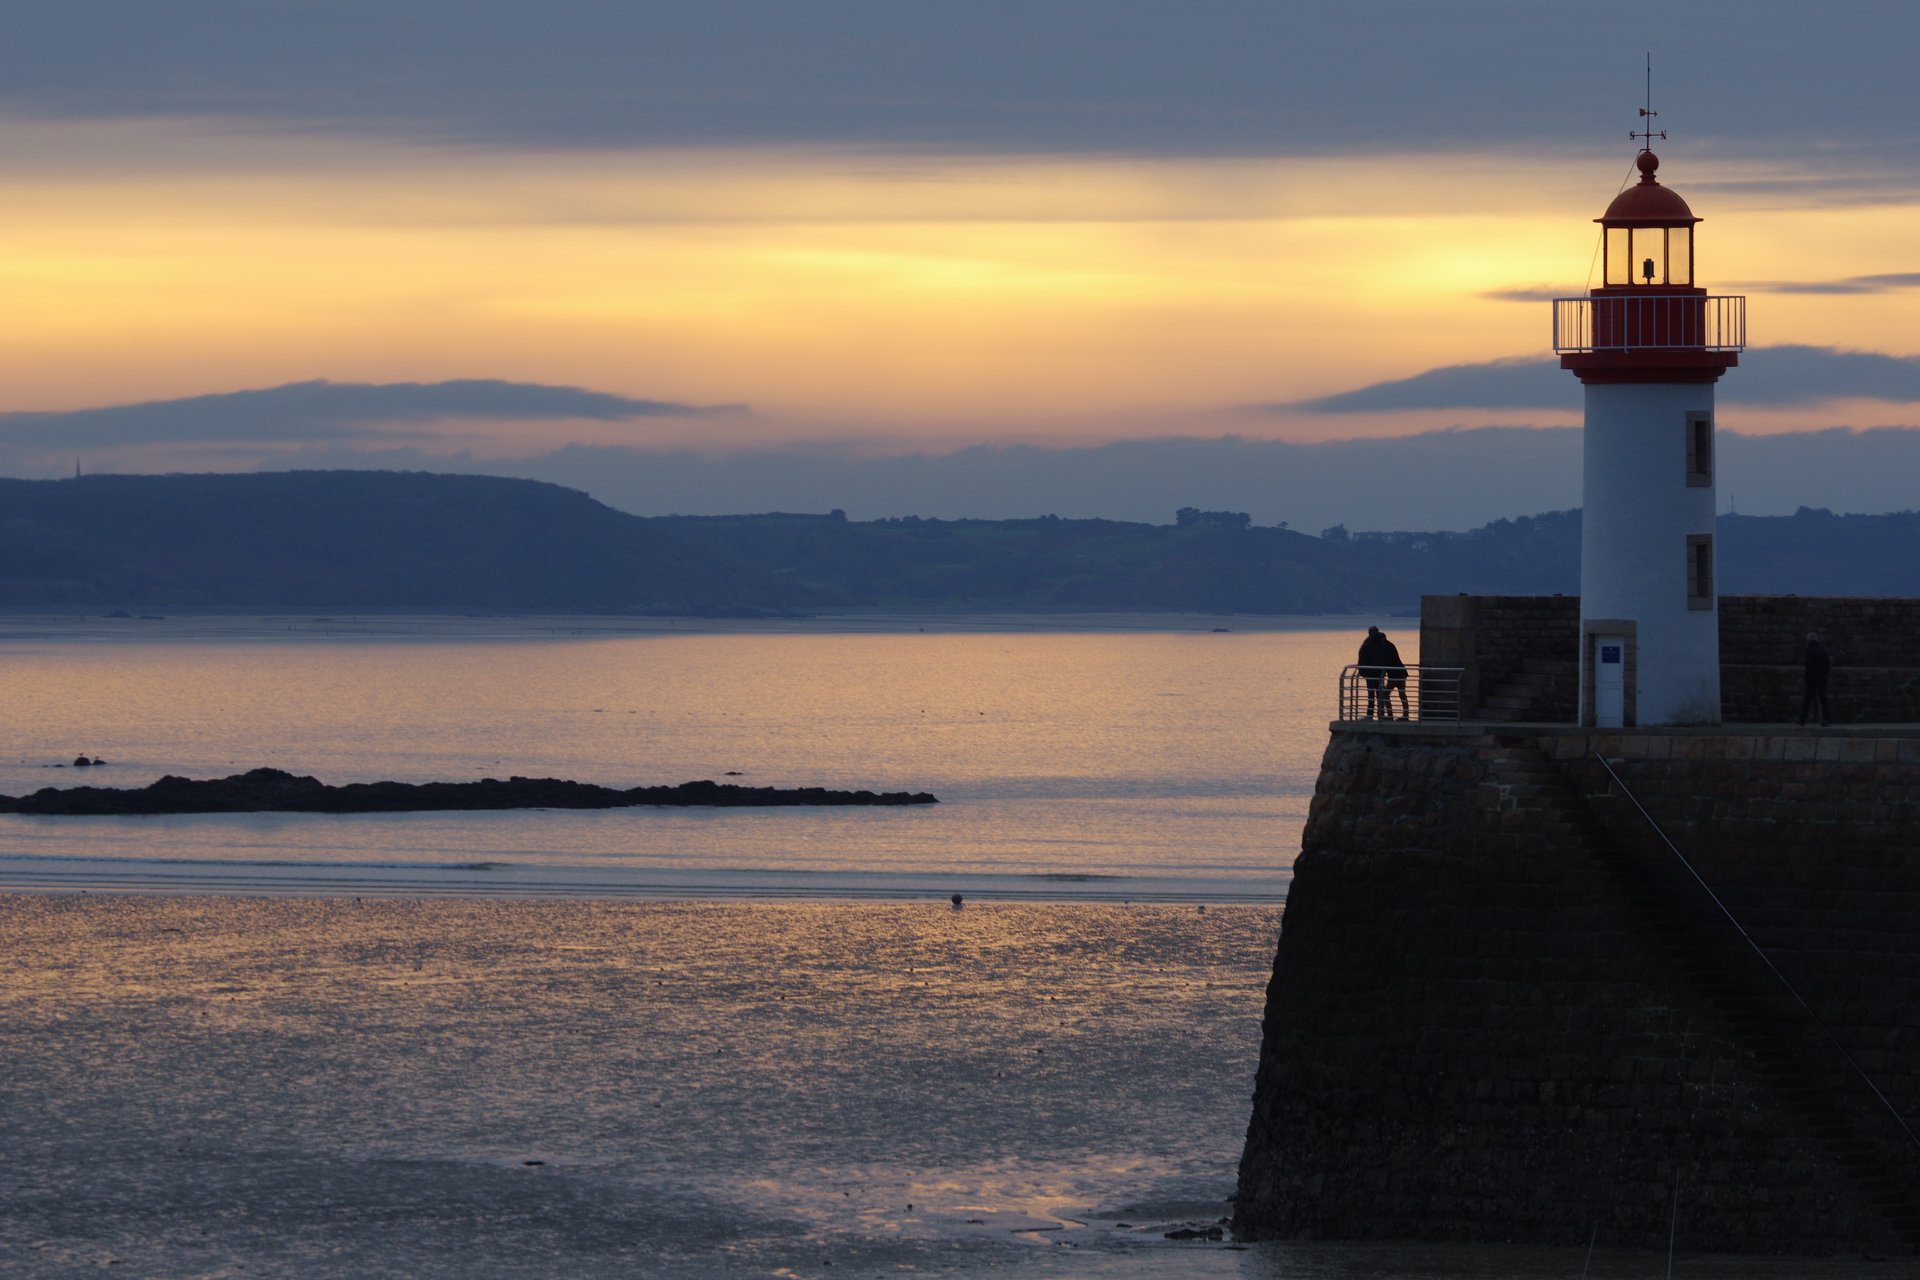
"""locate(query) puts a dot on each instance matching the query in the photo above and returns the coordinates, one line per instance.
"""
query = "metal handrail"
(1760, 951)
(1650, 322)
(1376, 693)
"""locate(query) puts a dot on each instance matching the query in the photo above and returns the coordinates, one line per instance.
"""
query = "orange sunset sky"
(1156, 220)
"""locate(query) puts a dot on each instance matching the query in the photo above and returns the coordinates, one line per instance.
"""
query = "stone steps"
(1528, 693)
(1515, 707)
(1504, 701)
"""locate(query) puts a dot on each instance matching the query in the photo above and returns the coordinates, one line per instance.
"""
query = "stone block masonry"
(1529, 645)
(1499, 641)
(1875, 645)
(1813, 844)
(1484, 1023)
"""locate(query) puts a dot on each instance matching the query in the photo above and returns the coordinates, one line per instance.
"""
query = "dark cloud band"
(1783, 375)
(1886, 283)
(1229, 77)
(313, 412)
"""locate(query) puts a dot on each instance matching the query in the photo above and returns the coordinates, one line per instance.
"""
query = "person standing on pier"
(1396, 681)
(1817, 666)
(1376, 655)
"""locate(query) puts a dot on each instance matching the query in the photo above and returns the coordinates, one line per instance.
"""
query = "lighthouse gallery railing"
(1650, 322)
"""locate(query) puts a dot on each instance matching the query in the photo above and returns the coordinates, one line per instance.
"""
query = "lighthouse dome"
(1647, 203)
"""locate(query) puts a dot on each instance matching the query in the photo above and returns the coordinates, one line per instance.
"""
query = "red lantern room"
(1649, 232)
(1648, 321)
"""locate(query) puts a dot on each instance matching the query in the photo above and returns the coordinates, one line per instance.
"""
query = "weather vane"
(1647, 114)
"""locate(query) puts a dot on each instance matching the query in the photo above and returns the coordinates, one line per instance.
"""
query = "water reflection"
(1182, 758)
(366, 1084)
(687, 1090)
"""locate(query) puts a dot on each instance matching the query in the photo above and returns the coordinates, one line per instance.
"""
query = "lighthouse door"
(1609, 681)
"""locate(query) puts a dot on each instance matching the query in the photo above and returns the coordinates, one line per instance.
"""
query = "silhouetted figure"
(1376, 655)
(1396, 681)
(1817, 665)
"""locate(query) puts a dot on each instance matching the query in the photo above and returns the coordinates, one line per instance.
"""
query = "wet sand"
(215, 1086)
(228, 1086)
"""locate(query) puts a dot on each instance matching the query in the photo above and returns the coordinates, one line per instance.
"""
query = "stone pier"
(1505, 1007)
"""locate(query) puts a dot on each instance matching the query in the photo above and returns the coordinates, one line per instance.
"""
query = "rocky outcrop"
(277, 791)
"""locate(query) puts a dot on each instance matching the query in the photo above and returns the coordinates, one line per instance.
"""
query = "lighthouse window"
(1680, 255)
(1699, 450)
(1699, 571)
(1619, 256)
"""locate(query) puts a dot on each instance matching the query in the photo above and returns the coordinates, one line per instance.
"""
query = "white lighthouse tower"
(1648, 346)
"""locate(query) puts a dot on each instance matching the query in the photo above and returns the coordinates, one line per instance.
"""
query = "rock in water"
(277, 791)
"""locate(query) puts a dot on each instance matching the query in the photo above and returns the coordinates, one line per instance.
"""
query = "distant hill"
(445, 543)
(350, 539)
(1811, 552)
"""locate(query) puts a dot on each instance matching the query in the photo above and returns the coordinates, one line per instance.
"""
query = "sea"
(665, 1042)
(1150, 763)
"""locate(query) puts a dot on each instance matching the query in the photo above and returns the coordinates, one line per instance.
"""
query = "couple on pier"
(1385, 674)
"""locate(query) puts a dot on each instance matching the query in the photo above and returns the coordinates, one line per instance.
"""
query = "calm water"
(1108, 765)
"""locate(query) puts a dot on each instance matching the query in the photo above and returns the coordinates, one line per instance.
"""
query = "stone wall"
(1874, 644)
(1477, 1028)
(1495, 639)
(1811, 843)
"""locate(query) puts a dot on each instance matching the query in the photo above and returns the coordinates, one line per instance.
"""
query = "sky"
(732, 256)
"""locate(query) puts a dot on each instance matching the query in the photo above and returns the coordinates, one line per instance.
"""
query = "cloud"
(1783, 375)
(1533, 293)
(1886, 283)
(1790, 375)
(1516, 382)
(312, 412)
(1228, 77)
(1864, 472)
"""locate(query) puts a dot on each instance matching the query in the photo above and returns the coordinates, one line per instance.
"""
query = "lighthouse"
(1648, 345)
